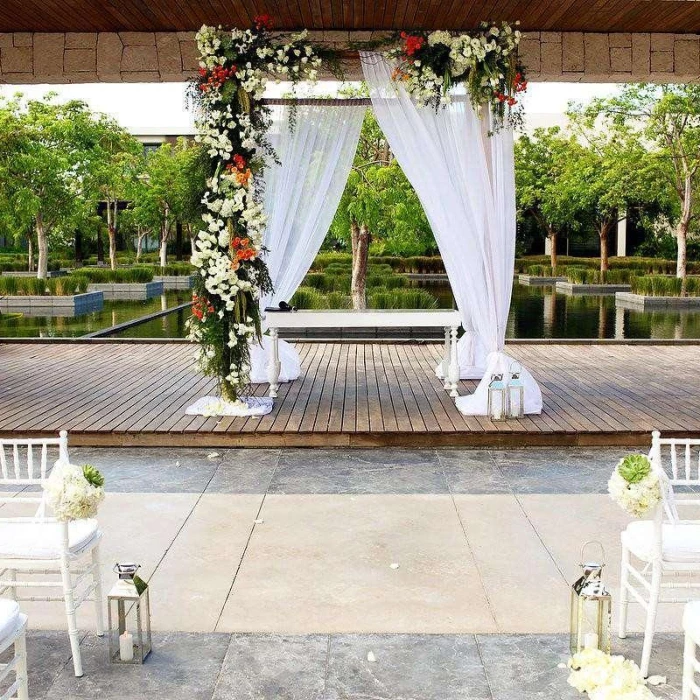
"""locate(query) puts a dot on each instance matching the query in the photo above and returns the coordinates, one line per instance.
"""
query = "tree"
(610, 174)
(115, 166)
(45, 156)
(169, 191)
(540, 161)
(378, 207)
(667, 119)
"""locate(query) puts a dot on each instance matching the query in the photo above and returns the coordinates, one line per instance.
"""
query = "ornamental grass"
(99, 275)
(665, 286)
(31, 286)
(584, 275)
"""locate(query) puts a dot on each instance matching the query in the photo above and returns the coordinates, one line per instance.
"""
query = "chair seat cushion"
(36, 540)
(9, 617)
(681, 541)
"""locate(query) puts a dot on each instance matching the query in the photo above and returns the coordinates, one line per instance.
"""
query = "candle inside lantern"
(126, 646)
(590, 640)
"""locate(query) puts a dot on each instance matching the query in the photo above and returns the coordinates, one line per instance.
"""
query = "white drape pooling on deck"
(465, 181)
(302, 193)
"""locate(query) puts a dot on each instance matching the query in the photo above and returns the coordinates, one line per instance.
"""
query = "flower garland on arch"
(232, 123)
(486, 62)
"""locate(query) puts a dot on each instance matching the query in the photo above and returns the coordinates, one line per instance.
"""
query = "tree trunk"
(178, 241)
(30, 251)
(552, 248)
(78, 245)
(682, 232)
(100, 246)
(603, 233)
(43, 247)
(358, 285)
(192, 238)
(139, 242)
(112, 234)
(164, 233)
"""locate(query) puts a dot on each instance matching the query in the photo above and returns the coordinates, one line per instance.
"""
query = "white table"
(449, 320)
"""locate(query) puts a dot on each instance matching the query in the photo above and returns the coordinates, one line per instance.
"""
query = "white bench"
(449, 320)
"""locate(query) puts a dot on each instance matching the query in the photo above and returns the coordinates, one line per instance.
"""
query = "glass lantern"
(516, 391)
(590, 607)
(129, 617)
(497, 403)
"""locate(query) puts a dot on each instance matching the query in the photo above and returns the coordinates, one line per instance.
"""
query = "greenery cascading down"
(232, 126)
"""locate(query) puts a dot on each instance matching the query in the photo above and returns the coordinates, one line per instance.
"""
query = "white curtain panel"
(465, 181)
(302, 192)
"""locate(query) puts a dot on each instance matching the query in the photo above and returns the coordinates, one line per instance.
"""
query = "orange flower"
(243, 177)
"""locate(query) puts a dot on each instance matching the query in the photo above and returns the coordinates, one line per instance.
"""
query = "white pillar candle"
(126, 646)
(590, 640)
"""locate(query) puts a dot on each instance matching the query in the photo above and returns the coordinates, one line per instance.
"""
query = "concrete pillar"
(547, 246)
(622, 237)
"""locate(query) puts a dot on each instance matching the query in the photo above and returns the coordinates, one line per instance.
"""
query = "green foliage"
(53, 160)
(402, 299)
(379, 196)
(586, 275)
(181, 269)
(545, 271)
(100, 275)
(31, 286)
(633, 468)
(541, 160)
(665, 286)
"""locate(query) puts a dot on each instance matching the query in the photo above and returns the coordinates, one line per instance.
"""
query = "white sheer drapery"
(465, 181)
(302, 192)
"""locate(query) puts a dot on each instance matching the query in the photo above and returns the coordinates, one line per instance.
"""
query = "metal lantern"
(590, 607)
(497, 406)
(129, 618)
(516, 391)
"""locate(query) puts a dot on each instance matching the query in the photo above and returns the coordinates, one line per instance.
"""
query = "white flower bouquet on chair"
(634, 485)
(73, 492)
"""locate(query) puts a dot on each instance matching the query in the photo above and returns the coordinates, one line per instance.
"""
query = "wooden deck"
(350, 394)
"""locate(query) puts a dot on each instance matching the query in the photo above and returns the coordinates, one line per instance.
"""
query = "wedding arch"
(447, 104)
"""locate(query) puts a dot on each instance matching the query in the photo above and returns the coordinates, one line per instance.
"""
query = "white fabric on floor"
(302, 192)
(465, 181)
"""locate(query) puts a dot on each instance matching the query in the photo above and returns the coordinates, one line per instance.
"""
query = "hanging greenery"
(485, 61)
(232, 123)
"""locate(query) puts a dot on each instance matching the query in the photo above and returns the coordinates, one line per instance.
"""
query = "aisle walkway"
(262, 543)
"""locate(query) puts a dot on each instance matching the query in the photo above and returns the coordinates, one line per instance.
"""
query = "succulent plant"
(633, 468)
(93, 475)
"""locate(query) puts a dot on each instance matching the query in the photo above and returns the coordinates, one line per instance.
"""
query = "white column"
(547, 245)
(622, 236)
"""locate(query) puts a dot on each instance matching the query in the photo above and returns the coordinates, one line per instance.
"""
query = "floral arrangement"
(235, 66)
(606, 677)
(428, 64)
(634, 485)
(73, 492)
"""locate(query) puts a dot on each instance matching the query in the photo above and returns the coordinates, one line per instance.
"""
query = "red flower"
(239, 161)
(263, 22)
(412, 43)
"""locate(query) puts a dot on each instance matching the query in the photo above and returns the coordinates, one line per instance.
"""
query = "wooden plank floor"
(350, 394)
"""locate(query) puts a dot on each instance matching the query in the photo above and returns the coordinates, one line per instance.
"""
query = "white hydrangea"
(637, 499)
(440, 37)
(70, 495)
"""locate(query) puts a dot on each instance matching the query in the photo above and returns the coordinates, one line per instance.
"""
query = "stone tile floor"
(187, 666)
(271, 578)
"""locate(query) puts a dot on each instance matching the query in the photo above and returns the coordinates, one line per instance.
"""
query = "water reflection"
(112, 313)
(536, 312)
